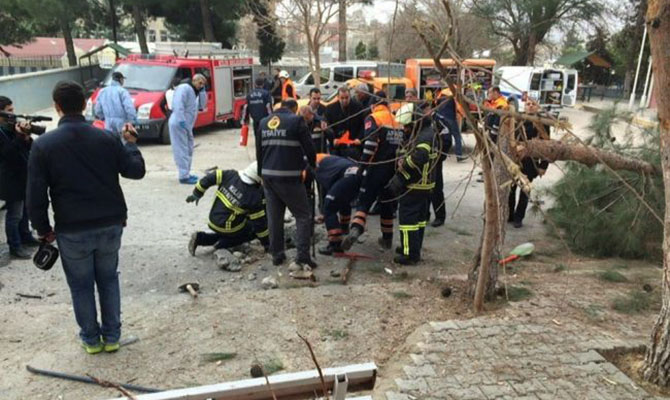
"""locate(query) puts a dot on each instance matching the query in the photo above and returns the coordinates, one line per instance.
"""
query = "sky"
(382, 10)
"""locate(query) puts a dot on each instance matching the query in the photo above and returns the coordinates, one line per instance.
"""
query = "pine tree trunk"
(656, 367)
(208, 28)
(140, 30)
(69, 43)
(342, 30)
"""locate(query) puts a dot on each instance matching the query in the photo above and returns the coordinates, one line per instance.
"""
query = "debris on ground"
(269, 283)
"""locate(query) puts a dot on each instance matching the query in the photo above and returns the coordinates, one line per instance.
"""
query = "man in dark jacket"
(286, 150)
(259, 106)
(76, 168)
(15, 142)
(238, 212)
(345, 118)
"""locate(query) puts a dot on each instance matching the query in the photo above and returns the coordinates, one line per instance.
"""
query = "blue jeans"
(16, 224)
(91, 258)
(456, 134)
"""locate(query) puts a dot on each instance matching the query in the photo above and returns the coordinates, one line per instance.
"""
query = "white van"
(550, 87)
(334, 75)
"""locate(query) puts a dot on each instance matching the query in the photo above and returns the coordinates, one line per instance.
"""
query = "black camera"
(34, 129)
(46, 256)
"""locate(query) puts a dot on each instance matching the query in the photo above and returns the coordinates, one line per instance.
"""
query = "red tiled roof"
(45, 46)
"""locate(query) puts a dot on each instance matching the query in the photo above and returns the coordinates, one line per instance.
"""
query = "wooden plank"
(297, 385)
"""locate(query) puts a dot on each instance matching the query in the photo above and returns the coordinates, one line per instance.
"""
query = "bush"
(599, 215)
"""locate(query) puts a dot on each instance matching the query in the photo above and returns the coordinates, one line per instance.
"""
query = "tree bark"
(553, 150)
(656, 367)
(342, 30)
(140, 30)
(207, 27)
(69, 43)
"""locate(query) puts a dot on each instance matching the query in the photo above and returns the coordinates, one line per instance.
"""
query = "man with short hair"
(286, 146)
(76, 168)
(259, 106)
(315, 102)
(15, 143)
(363, 96)
(346, 120)
(496, 101)
(114, 105)
(188, 99)
(276, 87)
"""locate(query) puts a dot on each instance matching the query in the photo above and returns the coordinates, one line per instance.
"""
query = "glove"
(182, 125)
(191, 198)
(395, 187)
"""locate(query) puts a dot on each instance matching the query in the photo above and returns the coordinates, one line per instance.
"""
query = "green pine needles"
(598, 215)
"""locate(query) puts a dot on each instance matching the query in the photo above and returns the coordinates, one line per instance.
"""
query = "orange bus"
(428, 81)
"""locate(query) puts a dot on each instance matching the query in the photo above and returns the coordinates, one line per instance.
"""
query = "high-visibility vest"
(284, 94)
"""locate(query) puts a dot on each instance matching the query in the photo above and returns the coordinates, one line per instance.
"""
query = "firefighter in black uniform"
(259, 106)
(287, 150)
(383, 137)
(238, 212)
(340, 180)
(532, 168)
(413, 183)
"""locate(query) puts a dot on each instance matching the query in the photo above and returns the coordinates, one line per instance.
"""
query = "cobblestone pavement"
(487, 358)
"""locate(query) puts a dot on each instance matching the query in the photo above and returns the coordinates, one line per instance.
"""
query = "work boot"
(332, 247)
(437, 223)
(278, 260)
(398, 250)
(404, 260)
(193, 243)
(352, 237)
(21, 253)
(307, 263)
(384, 243)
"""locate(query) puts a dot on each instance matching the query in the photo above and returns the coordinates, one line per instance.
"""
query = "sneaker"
(436, 223)
(278, 260)
(404, 260)
(461, 159)
(112, 347)
(329, 249)
(307, 263)
(92, 349)
(351, 238)
(193, 243)
(191, 180)
(385, 244)
(21, 253)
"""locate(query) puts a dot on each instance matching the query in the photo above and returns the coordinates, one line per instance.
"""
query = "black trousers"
(280, 194)
(377, 177)
(437, 195)
(225, 240)
(337, 207)
(412, 219)
(517, 210)
(257, 141)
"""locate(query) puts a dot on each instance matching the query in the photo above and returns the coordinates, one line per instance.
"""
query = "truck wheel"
(164, 137)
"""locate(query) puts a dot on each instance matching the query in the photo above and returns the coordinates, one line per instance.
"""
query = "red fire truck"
(149, 77)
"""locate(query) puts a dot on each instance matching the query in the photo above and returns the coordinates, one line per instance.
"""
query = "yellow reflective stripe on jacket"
(228, 204)
(199, 187)
(263, 234)
(219, 177)
(421, 186)
(257, 215)
(227, 230)
(425, 146)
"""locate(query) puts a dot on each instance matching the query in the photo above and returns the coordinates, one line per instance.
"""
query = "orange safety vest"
(284, 94)
(384, 117)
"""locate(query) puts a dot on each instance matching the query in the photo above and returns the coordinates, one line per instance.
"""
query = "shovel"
(519, 251)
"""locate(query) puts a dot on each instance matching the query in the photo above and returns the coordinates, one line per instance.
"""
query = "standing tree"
(342, 30)
(223, 14)
(207, 27)
(373, 51)
(625, 44)
(60, 16)
(271, 46)
(360, 51)
(525, 24)
(656, 368)
(15, 28)
(140, 10)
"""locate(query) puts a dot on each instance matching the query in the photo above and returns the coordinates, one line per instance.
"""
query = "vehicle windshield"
(150, 78)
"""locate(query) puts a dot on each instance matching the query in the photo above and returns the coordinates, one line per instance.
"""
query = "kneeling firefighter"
(340, 180)
(238, 212)
(413, 183)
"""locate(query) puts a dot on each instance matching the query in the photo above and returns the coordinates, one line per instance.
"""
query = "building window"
(152, 35)
(164, 36)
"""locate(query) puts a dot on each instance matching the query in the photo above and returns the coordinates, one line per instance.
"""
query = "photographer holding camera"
(15, 143)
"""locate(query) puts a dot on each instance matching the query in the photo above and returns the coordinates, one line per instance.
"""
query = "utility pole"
(113, 14)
